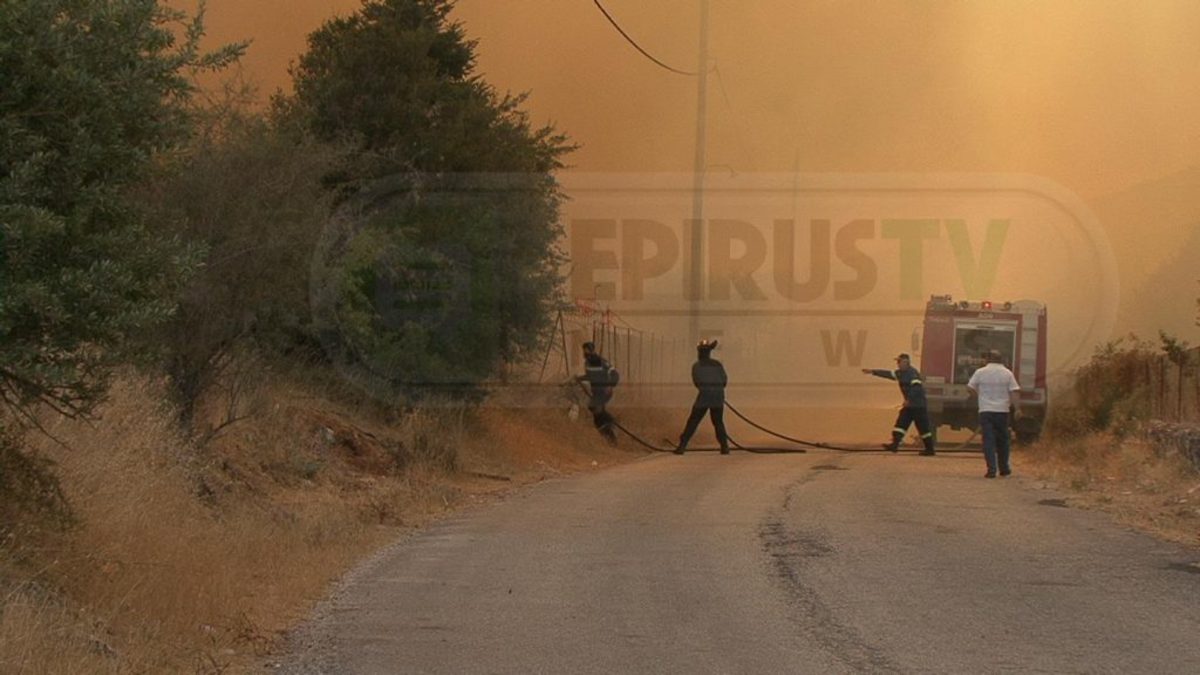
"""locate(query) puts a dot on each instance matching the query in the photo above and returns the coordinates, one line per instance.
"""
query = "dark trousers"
(601, 419)
(918, 416)
(994, 427)
(603, 422)
(716, 412)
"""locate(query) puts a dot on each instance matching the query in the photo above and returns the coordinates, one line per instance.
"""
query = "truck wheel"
(1026, 429)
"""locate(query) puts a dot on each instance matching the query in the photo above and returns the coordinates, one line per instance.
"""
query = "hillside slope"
(195, 556)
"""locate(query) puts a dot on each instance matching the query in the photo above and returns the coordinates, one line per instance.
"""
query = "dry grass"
(1142, 485)
(194, 558)
(40, 635)
(527, 443)
(174, 583)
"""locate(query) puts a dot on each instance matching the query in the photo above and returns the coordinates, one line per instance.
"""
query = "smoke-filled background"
(1097, 96)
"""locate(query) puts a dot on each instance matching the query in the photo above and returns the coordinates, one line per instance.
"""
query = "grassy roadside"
(195, 557)
(191, 557)
(1141, 484)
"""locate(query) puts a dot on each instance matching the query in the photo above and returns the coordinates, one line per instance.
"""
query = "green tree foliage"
(93, 91)
(251, 198)
(442, 261)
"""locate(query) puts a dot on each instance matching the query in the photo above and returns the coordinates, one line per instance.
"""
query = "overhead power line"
(635, 44)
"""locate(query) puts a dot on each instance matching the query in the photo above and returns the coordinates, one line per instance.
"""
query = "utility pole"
(697, 271)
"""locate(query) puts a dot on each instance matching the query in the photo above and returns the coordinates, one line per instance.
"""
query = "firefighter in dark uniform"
(709, 377)
(601, 378)
(914, 410)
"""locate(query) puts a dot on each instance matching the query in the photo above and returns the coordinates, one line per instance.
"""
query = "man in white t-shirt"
(997, 390)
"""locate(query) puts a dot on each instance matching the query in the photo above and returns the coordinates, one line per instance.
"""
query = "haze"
(1097, 96)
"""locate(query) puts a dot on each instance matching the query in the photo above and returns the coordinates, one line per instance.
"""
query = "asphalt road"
(816, 563)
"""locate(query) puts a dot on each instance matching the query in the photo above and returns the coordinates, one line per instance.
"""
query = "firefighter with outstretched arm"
(710, 379)
(914, 410)
(601, 377)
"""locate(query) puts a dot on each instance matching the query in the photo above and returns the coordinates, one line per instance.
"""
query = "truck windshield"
(972, 341)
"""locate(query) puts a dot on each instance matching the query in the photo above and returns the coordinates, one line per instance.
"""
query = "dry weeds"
(1141, 484)
(193, 557)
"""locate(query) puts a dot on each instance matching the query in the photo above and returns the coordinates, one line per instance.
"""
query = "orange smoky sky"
(1094, 94)
(1098, 96)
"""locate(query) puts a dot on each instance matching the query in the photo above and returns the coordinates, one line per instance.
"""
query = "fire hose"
(962, 447)
(755, 449)
(655, 448)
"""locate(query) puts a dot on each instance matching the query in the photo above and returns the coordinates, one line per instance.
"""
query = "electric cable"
(636, 46)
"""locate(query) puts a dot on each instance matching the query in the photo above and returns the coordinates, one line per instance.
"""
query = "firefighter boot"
(894, 446)
(609, 435)
(928, 451)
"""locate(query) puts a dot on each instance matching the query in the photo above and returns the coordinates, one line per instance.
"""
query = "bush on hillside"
(251, 197)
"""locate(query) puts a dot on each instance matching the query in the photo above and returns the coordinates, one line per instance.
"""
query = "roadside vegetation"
(241, 345)
(1124, 437)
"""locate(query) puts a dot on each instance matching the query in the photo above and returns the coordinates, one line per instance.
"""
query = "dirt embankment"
(195, 556)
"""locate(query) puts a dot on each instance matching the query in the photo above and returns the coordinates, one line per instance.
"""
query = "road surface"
(813, 563)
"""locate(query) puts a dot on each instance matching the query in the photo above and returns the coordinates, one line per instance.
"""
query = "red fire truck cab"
(956, 336)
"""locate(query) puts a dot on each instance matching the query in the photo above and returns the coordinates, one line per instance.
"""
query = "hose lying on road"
(763, 450)
(963, 445)
(799, 441)
(829, 446)
(650, 446)
(755, 449)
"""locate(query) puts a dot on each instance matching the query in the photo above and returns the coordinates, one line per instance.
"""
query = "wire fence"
(1173, 386)
(642, 357)
(1172, 382)
(653, 366)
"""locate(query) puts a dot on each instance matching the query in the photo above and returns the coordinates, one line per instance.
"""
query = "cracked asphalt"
(813, 563)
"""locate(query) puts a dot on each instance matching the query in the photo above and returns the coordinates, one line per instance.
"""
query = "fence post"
(1196, 380)
(629, 348)
(1150, 387)
(641, 371)
(1162, 383)
(1179, 393)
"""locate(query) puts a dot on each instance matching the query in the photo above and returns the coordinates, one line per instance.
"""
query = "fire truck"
(955, 338)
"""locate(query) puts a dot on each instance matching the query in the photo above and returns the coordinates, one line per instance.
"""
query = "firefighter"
(914, 410)
(709, 377)
(601, 378)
